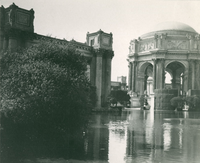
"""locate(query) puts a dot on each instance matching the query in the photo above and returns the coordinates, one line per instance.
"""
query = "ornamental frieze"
(147, 46)
(177, 45)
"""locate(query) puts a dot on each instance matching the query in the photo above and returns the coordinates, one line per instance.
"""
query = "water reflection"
(140, 136)
(136, 136)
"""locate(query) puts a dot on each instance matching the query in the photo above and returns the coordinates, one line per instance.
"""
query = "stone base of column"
(135, 102)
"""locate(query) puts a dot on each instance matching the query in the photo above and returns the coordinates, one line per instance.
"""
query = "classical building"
(171, 48)
(120, 84)
(17, 30)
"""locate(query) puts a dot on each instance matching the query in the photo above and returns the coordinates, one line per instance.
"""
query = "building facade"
(17, 30)
(120, 84)
(172, 48)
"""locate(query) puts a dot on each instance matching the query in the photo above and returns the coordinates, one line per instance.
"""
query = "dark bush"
(177, 102)
(45, 94)
(193, 102)
(119, 96)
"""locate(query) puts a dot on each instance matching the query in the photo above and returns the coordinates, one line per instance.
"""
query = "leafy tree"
(119, 96)
(193, 102)
(45, 91)
(177, 102)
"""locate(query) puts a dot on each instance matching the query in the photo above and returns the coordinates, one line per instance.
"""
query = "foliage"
(45, 88)
(193, 101)
(119, 96)
(177, 102)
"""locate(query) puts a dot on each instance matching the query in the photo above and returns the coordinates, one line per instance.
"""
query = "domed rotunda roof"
(173, 26)
(170, 27)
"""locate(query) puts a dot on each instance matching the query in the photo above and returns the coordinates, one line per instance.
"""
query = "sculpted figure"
(132, 47)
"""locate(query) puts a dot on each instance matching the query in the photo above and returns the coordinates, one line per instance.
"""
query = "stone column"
(197, 76)
(154, 74)
(163, 73)
(183, 83)
(160, 74)
(109, 56)
(197, 45)
(192, 65)
(134, 64)
(99, 77)
(186, 78)
(140, 85)
(93, 70)
(130, 76)
(145, 82)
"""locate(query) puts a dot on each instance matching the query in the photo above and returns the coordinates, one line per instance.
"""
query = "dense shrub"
(177, 102)
(193, 102)
(119, 96)
(45, 92)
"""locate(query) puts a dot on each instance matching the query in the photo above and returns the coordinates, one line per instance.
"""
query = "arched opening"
(168, 80)
(175, 72)
(144, 78)
(148, 79)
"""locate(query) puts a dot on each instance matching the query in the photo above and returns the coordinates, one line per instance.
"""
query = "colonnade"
(190, 78)
(137, 77)
(102, 75)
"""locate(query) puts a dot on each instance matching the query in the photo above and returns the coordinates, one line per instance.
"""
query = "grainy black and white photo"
(99, 81)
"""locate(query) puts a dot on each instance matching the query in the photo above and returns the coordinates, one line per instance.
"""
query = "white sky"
(126, 19)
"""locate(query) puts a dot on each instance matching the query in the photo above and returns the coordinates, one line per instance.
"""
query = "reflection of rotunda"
(171, 48)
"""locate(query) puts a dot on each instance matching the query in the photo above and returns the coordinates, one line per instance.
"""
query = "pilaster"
(93, 69)
(154, 73)
(134, 64)
(98, 80)
(185, 79)
(197, 42)
(193, 72)
(160, 74)
(109, 55)
(197, 75)
(130, 76)
(140, 85)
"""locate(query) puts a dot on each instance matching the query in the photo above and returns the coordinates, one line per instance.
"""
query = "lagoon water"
(135, 136)
(145, 137)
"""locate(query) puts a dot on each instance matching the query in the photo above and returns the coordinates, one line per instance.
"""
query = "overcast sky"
(126, 19)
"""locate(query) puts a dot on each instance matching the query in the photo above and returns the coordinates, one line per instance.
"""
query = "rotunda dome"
(170, 28)
(172, 25)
